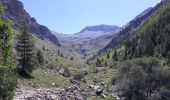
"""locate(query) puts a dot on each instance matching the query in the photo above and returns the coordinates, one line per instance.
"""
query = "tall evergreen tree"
(25, 48)
(40, 57)
(114, 57)
(98, 63)
(168, 57)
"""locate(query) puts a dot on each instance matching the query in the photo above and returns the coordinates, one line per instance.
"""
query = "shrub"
(7, 82)
(142, 78)
(78, 77)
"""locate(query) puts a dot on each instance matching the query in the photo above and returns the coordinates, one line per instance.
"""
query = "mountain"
(96, 31)
(153, 38)
(103, 28)
(144, 13)
(130, 28)
(88, 41)
(142, 58)
(15, 11)
(144, 36)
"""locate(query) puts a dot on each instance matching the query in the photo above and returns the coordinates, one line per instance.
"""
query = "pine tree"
(114, 57)
(108, 55)
(71, 58)
(40, 57)
(43, 48)
(58, 52)
(25, 48)
(98, 63)
(168, 57)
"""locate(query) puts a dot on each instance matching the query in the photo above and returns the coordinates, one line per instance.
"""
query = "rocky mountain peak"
(102, 27)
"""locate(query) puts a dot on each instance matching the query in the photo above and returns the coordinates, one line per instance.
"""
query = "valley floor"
(50, 85)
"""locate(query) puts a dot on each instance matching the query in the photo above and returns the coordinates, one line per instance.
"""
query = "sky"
(71, 16)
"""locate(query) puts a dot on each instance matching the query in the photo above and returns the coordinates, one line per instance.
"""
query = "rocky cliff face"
(15, 11)
(92, 32)
(103, 28)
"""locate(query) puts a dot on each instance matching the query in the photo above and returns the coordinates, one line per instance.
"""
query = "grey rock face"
(15, 11)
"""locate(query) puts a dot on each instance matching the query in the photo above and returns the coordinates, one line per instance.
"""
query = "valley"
(101, 62)
(89, 40)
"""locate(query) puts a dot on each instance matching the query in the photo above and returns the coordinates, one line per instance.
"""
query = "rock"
(61, 71)
(104, 96)
(95, 87)
(52, 84)
(99, 91)
(64, 72)
(32, 84)
(53, 97)
(85, 73)
(74, 82)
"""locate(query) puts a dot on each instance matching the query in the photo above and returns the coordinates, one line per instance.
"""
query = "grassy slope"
(43, 76)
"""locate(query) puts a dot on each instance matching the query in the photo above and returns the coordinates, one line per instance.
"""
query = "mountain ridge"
(102, 27)
(127, 31)
(14, 10)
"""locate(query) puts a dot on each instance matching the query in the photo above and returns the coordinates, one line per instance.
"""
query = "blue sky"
(70, 16)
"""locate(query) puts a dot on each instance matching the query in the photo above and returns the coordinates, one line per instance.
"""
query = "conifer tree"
(25, 48)
(114, 57)
(98, 63)
(40, 57)
(71, 58)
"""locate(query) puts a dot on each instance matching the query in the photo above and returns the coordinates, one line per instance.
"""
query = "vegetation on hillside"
(7, 69)
(143, 79)
(153, 39)
(142, 62)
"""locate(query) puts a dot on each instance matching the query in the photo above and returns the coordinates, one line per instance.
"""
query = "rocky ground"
(23, 93)
(72, 93)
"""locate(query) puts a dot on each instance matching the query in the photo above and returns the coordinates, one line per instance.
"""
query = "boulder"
(99, 91)
(85, 73)
(64, 72)
(53, 97)
(52, 84)
(74, 82)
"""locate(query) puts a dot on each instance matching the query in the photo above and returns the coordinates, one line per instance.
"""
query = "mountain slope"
(153, 39)
(130, 28)
(15, 11)
(89, 40)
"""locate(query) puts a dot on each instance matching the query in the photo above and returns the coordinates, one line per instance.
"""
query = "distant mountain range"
(96, 31)
(103, 28)
(89, 40)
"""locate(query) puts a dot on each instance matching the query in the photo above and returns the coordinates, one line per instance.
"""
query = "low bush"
(8, 82)
(143, 79)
